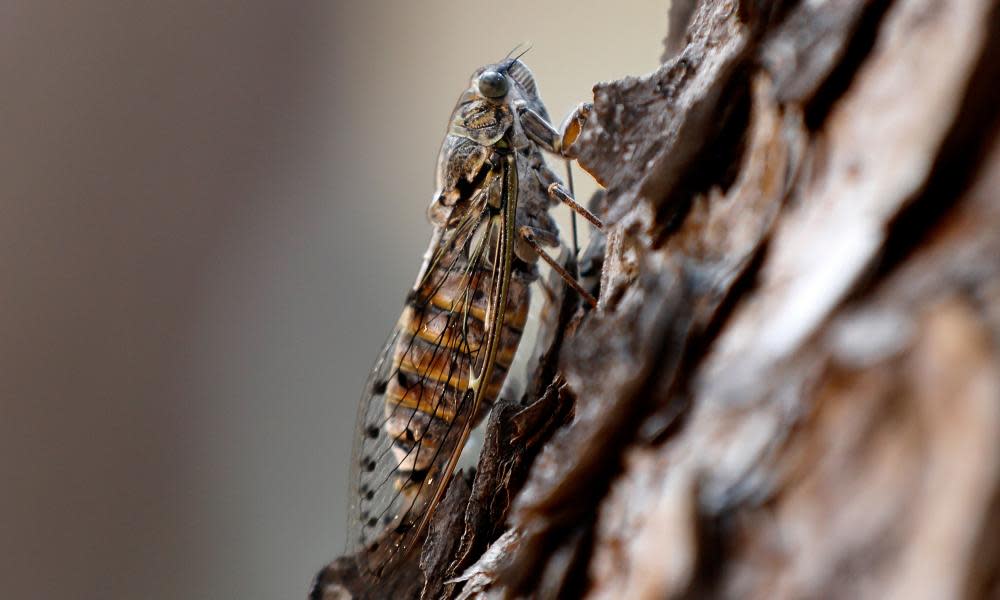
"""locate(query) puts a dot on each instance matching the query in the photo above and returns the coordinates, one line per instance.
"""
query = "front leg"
(558, 141)
(558, 192)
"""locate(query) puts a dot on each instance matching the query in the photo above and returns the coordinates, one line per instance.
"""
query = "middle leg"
(537, 238)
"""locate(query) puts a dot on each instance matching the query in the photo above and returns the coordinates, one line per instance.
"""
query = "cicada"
(446, 361)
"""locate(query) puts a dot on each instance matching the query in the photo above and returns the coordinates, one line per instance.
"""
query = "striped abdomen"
(428, 401)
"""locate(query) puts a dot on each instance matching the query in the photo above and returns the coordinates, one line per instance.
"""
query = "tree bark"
(791, 385)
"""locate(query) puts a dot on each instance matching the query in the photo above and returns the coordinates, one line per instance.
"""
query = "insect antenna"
(515, 49)
(526, 50)
(510, 61)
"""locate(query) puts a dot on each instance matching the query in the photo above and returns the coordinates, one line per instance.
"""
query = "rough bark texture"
(791, 387)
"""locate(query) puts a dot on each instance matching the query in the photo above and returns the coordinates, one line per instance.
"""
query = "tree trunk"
(791, 385)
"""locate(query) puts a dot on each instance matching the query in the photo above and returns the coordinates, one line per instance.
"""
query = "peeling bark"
(791, 385)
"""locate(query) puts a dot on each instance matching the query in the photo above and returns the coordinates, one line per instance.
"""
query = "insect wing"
(426, 389)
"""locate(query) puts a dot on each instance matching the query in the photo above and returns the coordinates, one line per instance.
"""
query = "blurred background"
(209, 214)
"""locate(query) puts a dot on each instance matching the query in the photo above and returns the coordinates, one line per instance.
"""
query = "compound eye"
(493, 84)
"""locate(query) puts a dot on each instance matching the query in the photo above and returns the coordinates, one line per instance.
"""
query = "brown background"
(209, 213)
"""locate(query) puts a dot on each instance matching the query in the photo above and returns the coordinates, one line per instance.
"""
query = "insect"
(444, 364)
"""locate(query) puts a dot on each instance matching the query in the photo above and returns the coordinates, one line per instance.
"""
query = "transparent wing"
(427, 387)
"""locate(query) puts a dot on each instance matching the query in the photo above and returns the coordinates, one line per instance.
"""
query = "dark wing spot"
(404, 527)
(404, 380)
(372, 431)
(372, 522)
(379, 386)
(369, 495)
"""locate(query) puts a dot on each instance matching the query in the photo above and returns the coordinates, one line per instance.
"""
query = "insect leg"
(536, 238)
(558, 141)
(559, 193)
(556, 191)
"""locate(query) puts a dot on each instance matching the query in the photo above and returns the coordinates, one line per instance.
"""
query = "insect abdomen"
(428, 400)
